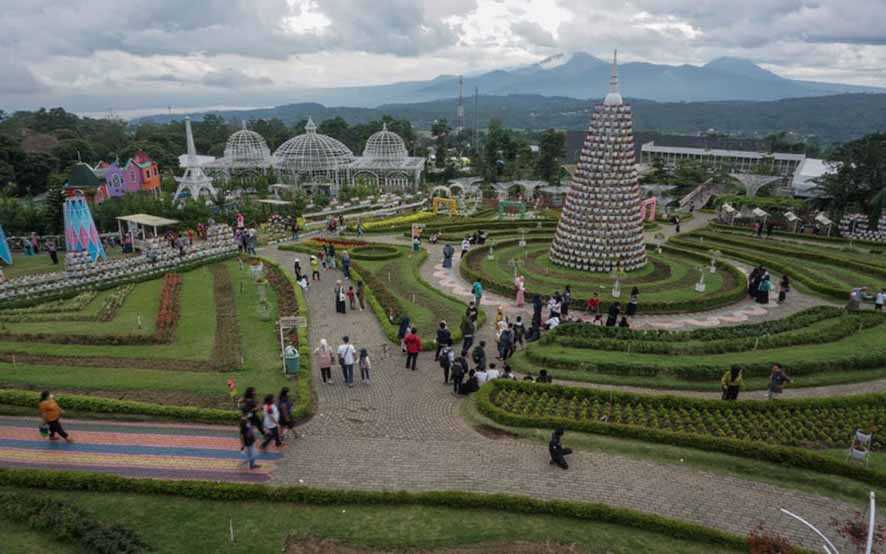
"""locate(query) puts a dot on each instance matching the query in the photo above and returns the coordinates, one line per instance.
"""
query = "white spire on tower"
(244, 124)
(614, 97)
(194, 183)
(189, 137)
(310, 126)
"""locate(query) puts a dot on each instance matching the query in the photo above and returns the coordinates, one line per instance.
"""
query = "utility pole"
(460, 108)
(477, 120)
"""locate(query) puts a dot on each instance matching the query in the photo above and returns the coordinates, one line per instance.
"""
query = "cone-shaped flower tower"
(80, 232)
(601, 227)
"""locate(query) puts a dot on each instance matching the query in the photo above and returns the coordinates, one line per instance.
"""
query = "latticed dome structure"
(247, 148)
(313, 158)
(385, 146)
(601, 226)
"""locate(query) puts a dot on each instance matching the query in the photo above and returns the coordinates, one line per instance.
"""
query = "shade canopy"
(148, 220)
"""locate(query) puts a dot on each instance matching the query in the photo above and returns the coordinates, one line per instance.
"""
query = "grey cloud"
(18, 79)
(233, 79)
(534, 33)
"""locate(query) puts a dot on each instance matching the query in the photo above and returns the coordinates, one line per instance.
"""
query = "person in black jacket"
(457, 373)
(467, 335)
(556, 449)
(247, 442)
(479, 355)
(470, 385)
(444, 338)
(249, 409)
(536, 310)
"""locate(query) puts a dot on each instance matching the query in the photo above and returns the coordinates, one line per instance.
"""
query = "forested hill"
(836, 118)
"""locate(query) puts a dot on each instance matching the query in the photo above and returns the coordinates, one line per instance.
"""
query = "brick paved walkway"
(404, 432)
(164, 451)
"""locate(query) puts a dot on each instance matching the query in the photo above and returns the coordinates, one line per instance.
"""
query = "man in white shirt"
(492, 373)
(552, 323)
(465, 246)
(880, 300)
(481, 375)
(347, 356)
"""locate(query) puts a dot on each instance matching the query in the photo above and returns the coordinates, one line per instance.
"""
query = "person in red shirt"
(593, 304)
(413, 347)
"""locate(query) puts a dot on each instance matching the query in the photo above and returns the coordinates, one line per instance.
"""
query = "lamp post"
(715, 257)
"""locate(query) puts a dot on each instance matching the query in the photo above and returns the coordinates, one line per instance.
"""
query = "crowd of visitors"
(272, 420)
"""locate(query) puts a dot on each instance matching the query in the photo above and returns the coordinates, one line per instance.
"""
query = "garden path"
(404, 432)
(156, 450)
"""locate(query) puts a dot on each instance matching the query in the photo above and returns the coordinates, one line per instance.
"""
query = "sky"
(141, 55)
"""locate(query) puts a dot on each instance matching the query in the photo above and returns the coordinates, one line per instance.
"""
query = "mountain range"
(584, 76)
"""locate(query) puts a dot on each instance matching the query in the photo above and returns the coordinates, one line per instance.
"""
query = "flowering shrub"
(114, 302)
(392, 223)
(763, 541)
(170, 307)
(855, 530)
(807, 423)
(338, 243)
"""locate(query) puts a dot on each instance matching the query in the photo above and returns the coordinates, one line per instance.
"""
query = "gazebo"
(138, 223)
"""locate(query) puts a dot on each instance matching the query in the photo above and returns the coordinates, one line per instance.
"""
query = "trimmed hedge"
(826, 255)
(69, 523)
(710, 302)
(386, 252)
(835, 330)
(798, 320)
(98, 405)
(803, 236)
(789, 456)
(206, 490)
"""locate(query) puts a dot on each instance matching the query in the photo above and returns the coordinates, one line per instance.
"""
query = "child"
(365, 365)
(322, 255)
(352, 297)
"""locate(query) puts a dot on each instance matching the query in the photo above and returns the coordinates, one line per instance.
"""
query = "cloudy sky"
(95, 55)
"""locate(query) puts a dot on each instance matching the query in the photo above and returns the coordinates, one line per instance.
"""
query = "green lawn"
(17, 538)
(194, 340)
(172, 524)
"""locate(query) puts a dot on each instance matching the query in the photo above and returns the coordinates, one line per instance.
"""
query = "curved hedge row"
(641, 429)
(374, 252)
(798, 320)
(800, 236)
(824, 255)
(830, 331)
(864, 350)
(710, 302)
(207, 490)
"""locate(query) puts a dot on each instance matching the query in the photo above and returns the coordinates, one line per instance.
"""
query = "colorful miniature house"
(141, 174)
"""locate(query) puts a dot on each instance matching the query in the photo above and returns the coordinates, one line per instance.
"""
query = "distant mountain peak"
(740, 67)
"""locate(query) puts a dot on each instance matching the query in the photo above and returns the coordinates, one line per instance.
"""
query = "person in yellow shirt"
(731, 383)
(51, 414)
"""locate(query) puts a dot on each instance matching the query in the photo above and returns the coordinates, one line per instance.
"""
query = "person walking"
(346, 265)
(340, 297)
(556, 449)
(479, 355)
(352, 297)
(457, 372)
(403, 331)
(565, 300)
(783, 289)
(361, 295)
(477, 291)
(676, 224)
(444, 338)
(632, 301)
(347, 355)
(271, 423)
(777, 379)
(296, 268)
(53, 251)
(448, 252)
(247, 442)
(506, 342)
(880, 300)
(284, 407)
(612, 316)
(465, 246)
(331, 257)
(763, 290)
(51, 414)
(520, 290)
(536, 310)
(446, 358)
(731, 383)
(467, 335)
(472, 312)
(315, 268)
(324, 360)
(413, 347)
(249, 409)
(365, 366)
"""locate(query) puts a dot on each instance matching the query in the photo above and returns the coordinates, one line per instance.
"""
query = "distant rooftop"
(715, 152)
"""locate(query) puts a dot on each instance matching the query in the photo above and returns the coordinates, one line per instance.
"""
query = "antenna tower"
(477, 120)
(460, 109)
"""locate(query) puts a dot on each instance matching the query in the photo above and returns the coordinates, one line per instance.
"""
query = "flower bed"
(226, 353)
(113, 303)
(392, 223)
(781, 432)
(338, 243)
(44, 311)
(170, 308)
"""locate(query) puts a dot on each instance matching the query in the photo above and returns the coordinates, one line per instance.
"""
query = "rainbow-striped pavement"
(154, 450)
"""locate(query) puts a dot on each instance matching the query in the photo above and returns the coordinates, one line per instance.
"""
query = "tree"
(53, 210)
(440, 127)
(440, 154)
(551, 150)
(32, 173)
(859, 181)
